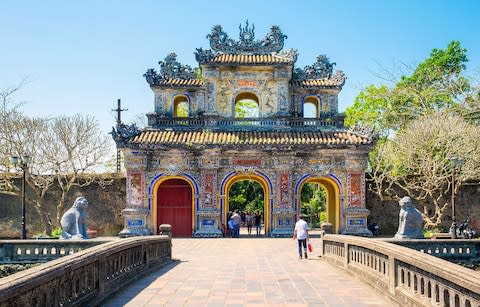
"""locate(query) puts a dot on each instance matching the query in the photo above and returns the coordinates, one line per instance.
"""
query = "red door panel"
(174, 206)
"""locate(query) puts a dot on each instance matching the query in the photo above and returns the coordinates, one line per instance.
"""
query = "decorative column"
(135, 212)
(283, 210)
(355, 212)
(208, 213)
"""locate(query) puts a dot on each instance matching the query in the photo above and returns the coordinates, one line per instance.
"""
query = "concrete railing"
(86, 277)
(38, 251)
(460, 250)
(408, 277)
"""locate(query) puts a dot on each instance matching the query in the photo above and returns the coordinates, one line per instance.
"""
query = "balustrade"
(85, 277)
(288, 123)
(38, 251)
(407, 276)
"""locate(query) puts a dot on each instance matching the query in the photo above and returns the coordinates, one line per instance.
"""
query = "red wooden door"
(174, 206)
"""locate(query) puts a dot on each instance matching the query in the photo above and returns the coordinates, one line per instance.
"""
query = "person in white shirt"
(301, 234)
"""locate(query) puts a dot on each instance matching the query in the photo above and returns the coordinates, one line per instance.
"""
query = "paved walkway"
(246, 272)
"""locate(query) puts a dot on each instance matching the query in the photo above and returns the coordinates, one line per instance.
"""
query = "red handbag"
(310, 247)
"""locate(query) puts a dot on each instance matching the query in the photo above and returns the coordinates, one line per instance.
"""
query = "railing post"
(322, 243)
(346, 246)
(166, 230)
(392, 274)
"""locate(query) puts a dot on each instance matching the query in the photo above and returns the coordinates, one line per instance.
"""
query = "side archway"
(335, 197)
(181, 105)
(311, 106)
(173, 182)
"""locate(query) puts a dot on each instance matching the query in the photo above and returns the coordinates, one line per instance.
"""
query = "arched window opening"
(310, 107)
(180, 106)
(246, 106)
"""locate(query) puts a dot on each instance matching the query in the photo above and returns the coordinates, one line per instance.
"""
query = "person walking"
(258, 222)
(249, 219)
(237, 219)
(301, 234)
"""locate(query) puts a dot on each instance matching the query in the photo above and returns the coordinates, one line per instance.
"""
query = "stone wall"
(467, 203)
(104, 211)
(106, 207)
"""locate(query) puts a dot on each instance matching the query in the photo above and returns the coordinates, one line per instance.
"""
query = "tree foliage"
(64, 150)
(246, 108)
(423, 119)
(246, 195)
(435, 84)
(314, 200)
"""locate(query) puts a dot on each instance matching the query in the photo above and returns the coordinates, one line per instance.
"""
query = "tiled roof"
(316, 83)
(249, 138)
(180, 82)
(250, 59)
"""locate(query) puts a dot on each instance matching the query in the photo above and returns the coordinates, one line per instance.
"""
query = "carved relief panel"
(356, 187)
(135, 189)
(209, 185)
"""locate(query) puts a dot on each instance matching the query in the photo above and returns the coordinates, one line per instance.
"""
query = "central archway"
(264, 182)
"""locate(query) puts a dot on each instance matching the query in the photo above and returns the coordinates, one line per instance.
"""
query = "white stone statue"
(410, 221)
(73, 220)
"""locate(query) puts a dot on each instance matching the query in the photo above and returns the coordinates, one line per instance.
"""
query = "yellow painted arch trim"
(333, 199)
(153, 217)
(266, 195)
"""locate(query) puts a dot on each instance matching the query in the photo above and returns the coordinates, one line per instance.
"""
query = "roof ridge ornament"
(220, 42)
(321, 69)
(170, 68)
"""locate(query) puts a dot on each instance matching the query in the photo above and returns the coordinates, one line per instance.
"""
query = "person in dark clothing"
(229, 217)
(258, 222)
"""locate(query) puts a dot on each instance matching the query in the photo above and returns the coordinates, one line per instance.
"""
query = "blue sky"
(80, 56)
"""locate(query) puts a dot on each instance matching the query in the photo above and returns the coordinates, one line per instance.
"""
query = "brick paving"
(246, 272)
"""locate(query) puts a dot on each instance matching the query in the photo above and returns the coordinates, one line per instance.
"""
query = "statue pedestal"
(356, 222)
(135, 224)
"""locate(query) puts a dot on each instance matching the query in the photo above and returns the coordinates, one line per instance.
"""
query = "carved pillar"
(208, 213)
(135, 212)
(211, 75)
(355, 212)
(283, 210)
(160, 102)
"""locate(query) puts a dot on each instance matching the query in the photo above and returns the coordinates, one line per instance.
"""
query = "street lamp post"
(23, 165)
(456, 163)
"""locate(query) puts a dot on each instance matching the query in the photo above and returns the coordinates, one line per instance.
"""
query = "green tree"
(436, 83)
(246, 108)
(246, 195)
(314, 199)
(419, 131)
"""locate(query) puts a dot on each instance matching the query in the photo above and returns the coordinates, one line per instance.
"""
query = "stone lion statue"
(410, 221)
(73, 220)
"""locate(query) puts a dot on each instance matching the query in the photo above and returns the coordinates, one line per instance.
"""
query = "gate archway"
(231, 178)
(335, 197)
(173, 200)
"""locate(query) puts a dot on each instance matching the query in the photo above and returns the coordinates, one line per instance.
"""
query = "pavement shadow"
(129, 291)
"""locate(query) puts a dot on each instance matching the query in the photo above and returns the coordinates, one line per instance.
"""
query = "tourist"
(231, 226)
(236, 224)
(301, 234)
(249, 219)
(258, 222)
(229, 217)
